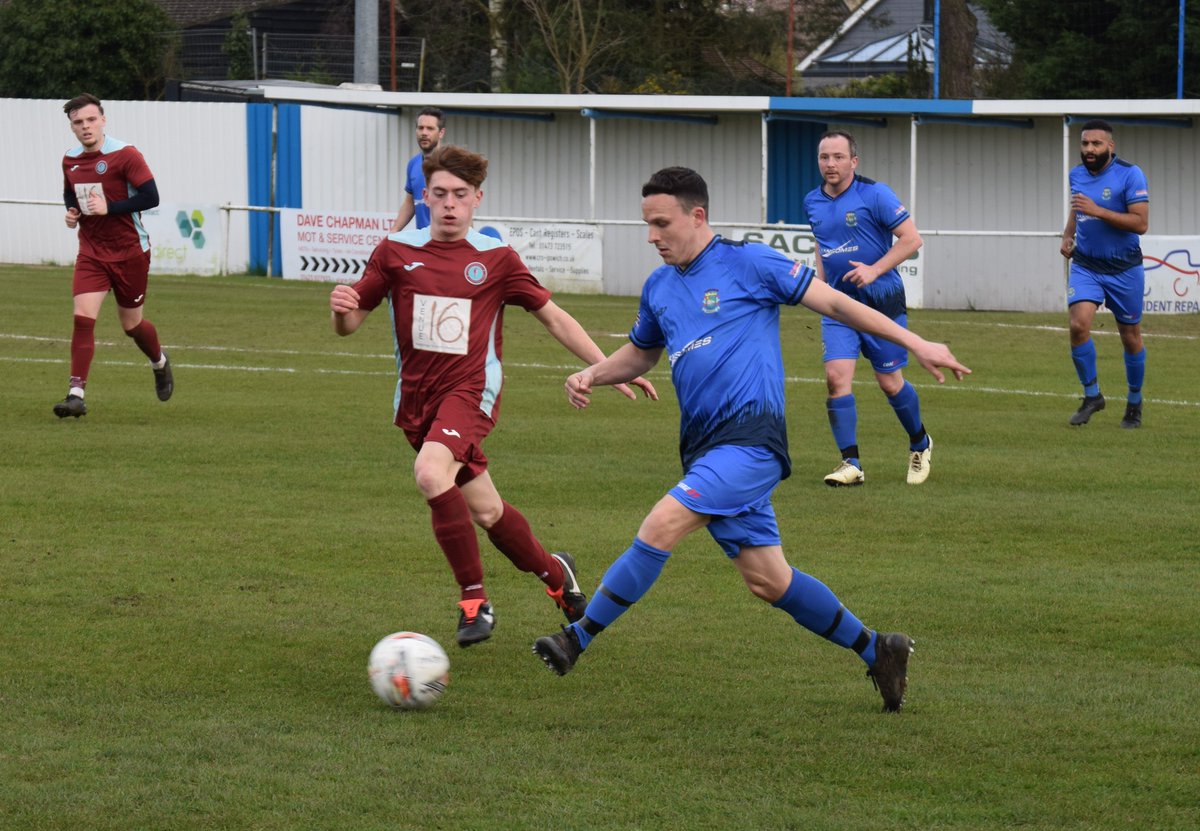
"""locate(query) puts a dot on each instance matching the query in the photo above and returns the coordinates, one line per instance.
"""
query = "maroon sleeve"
(521, 288)
(373, 286)
(137, 172)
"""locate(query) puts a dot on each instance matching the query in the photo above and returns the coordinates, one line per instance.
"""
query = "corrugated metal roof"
(895, 49)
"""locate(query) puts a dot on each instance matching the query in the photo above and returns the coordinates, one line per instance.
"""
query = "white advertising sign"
(1172, 275)
(335, 246)
(565, 257)
(801, 246)
(329, 245)
(184, 239)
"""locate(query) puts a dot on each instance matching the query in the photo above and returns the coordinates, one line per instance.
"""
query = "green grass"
(188, 591)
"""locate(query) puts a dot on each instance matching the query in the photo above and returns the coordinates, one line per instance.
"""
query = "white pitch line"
(1045, 327)
(791, 379)
(234, 349)
(949, 386)
(967, 386)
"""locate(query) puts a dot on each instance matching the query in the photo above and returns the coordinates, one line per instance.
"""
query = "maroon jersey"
(448, 303)
(116, 169)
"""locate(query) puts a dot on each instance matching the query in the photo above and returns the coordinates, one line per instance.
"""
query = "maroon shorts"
(460, 425)
(126, 278)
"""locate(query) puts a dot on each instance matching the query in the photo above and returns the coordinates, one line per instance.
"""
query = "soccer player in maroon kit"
(106, 186)
(448, 286)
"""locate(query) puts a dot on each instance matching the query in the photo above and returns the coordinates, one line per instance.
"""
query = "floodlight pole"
(366, 41)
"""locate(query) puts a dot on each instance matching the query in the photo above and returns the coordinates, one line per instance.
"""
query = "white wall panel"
(353, 160)
(728, 156)
(968, 179)
(535, 168)
(197, 152)
(1169, 158)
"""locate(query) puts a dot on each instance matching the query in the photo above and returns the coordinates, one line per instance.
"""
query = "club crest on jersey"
(101, 166)
(851, 219)
(712, 303)
(1106, 193)
(475, 273)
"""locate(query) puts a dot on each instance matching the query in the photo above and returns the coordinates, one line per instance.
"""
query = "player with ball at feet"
(448, 286)
(713, 308)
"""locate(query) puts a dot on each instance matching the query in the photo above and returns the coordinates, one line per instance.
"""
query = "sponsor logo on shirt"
(847, 247)
(475, 273)
(899, 211)
(688, 489)
(696, 344)
(411, 266)
(712, 302)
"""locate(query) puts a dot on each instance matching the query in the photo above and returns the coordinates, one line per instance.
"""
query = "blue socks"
(1084, 358)
(843, 420)
(627, 579)
(811, 604)
(807, 600)
(907, 405)
(1135, 373)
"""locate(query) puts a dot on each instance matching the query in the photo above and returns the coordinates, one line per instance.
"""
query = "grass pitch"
(189, 590)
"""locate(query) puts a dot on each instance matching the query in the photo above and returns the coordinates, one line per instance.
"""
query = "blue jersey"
(718, 321)
(1098, 245)
(414, 185)
(857, 225)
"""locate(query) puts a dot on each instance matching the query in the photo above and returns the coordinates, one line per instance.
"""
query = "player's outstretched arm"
(626, 364)
(567, 331)
(841, 307)
(344, 311)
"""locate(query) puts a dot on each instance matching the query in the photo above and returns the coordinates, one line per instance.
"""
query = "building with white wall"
(985, 180)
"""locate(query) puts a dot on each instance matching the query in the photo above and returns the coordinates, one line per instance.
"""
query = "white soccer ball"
(409, 670)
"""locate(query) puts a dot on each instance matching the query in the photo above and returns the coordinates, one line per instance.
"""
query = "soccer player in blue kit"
(1110, 208)
(431, 129)
(713, 308)
(854, 220)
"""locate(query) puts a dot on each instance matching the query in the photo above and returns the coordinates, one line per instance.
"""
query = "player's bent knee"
(431, 480)
(765, 591)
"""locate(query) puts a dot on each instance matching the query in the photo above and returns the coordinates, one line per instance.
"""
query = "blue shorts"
(1121, 292)
(842, 341)
(733, 485)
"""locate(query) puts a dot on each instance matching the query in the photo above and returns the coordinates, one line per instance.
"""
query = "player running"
(1110, 208)
(106, 186)
(863, 232)
(448, 286)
